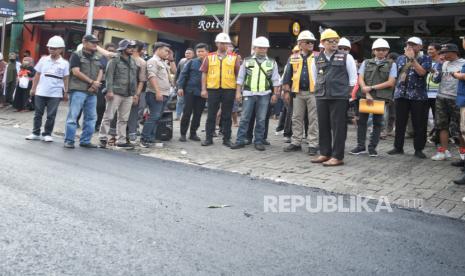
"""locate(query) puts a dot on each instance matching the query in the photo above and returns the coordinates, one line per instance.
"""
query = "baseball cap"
(449, 47)
(90, 38)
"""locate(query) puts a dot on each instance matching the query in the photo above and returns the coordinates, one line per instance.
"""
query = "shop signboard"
(8, 8)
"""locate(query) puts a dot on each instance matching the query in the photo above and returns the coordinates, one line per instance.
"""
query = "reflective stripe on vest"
(297, 64)
(221, 73)
(256, 80)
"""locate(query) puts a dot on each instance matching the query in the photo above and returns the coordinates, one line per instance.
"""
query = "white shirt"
(52, 73)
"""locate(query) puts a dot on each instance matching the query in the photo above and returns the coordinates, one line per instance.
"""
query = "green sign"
(276, 6)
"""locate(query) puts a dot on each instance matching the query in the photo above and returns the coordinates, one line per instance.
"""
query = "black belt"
(53, 76)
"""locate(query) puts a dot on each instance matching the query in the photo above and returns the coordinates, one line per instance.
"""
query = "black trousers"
(101, 105)
(252, 123)
(419, 112)
(332, 124)
(9, 91)
(225, 97)
(193, 106)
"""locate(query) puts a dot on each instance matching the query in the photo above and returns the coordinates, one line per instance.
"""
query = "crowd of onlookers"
(121, 93)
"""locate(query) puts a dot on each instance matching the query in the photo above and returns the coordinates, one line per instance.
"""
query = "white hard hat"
(222, 38)
(79, 47)
(380, 43)
(344, 42)
(415, 40)
(56, 42)
(306, 35)
(261, 41)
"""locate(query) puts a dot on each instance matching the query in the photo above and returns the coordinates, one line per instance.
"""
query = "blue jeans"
(249, 103)
(179, 106)
(156, 111)
(88, 103)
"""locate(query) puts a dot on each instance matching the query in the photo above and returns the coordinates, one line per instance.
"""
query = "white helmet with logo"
(306, 35)
(380, 43)
(261, 41)
(56, 42)
(344, 42)
(222, 38)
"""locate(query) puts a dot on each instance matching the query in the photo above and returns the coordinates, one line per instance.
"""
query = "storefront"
(362, 21)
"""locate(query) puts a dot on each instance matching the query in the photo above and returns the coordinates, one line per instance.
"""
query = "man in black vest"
(336, 75)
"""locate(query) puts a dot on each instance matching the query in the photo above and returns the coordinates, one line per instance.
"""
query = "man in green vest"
(258, 77)
(377, 78)
(85, 81)
(299, 81)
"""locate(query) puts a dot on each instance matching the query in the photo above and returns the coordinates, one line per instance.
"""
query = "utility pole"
(3, 34)
(90, 17)
(227, 13)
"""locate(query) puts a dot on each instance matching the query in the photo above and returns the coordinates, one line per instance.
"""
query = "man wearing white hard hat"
(411, 97)
(299, 83)
(258, 77)
(219, 73)
(344, 45)
(377, 78)
(49, 86)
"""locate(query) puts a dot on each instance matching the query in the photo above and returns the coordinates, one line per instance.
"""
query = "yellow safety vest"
(221, 73)
(297, 64)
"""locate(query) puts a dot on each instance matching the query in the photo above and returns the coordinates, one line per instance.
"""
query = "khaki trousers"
(123, 106)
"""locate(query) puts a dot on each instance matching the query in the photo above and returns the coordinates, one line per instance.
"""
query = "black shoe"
(68, 145)
(312, 151)
(460, 181)
(207, 142)
(127, 146)
(292, 147)
(458, 163)
(144, 144)
(237, 146)
(194, 137)
(372, 153)
(247, 142)
(259, 147)
(420, 154)
(102, 144)
(358, 150)
(278, 129)
(287, 140)
(266, 143)
(182, 138)
(88, 146)
(395, 151)
(227, 143)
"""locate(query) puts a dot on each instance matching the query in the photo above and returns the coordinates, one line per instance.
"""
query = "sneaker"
(358, 150)
(266, 143)
(47, 138)
(144, 144)
(69, 145)
(395, 151)
(372, 153)
(420, 154)
(102, 144)
(259, 147)
(32, 137)
(441, 155)
(127, 146)
(291, 148)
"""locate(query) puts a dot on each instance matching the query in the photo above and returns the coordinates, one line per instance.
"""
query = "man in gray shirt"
(447, 112)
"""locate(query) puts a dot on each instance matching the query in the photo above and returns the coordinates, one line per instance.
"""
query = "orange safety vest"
(221, 73)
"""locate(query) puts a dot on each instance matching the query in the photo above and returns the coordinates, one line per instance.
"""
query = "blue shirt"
(460, 100)
(414, 86)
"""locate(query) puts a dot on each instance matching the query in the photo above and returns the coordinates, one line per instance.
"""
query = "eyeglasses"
(307, 41)
(332, 41)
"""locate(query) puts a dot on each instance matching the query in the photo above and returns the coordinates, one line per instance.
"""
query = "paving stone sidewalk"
(405, 180)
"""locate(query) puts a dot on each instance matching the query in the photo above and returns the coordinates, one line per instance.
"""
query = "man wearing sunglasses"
(336, 75)
(84, 83)
(299, 83)
(121, 83)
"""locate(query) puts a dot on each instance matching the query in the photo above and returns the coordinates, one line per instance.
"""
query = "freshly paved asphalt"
(103, 212)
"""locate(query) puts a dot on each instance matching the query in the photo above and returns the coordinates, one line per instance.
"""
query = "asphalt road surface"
(103, 212)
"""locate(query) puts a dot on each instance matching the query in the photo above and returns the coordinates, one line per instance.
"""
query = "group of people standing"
(317, 85)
